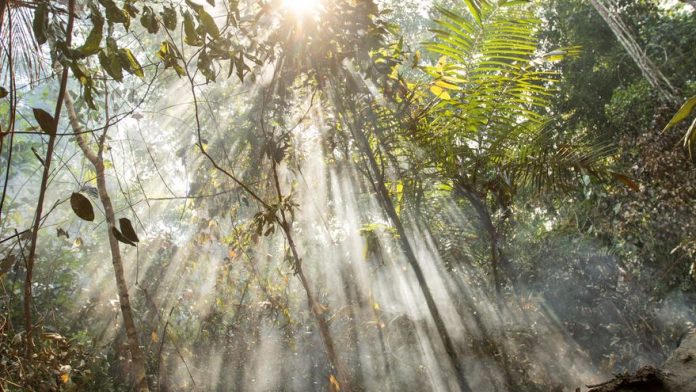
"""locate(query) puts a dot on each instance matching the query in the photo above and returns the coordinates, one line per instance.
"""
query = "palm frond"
(16, 31)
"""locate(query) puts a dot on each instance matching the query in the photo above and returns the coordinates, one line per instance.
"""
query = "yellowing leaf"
(439, 92)
(64, 378)
(154, 337)
(683, 113)
(446, 86)
(333, 384)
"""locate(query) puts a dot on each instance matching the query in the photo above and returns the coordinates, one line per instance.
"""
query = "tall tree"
(612, 16)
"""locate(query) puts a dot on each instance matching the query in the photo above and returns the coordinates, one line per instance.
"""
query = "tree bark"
(28, 323)
(650, 71)
(97, 161)
(342, 374)
(388, 206)
(485, 218)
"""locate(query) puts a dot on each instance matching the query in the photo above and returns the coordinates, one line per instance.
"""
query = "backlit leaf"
(45, 120)
(82, 207)
(40, 24)
(130, 63)
(120, 237)
(169, 18)
(683, 113)
(94, 38)
(127, 230)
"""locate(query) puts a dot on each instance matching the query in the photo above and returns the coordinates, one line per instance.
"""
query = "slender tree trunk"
(97, 161)
(3, 6)
(385, 199)
(342, 374)
(650, 71)
(28, 324)
(485, 218)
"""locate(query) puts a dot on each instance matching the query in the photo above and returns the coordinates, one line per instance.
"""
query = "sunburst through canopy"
(302, 7)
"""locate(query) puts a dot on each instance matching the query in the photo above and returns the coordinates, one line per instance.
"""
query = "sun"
(302, 7)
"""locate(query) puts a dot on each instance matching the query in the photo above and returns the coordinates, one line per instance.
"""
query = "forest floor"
(677, 373)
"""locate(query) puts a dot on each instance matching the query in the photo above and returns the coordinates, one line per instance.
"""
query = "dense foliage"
(342, 195)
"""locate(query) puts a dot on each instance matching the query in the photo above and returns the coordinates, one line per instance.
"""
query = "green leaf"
(683, 113)
(130, 63)
(127, 230)
(115, 14)
(190, 35)
(205, 65)
(205, 19)
(240, 66)
(94, 38)
(149, 20)
(474, 9)
(45, 120)
(111, 64)
(40, 25)
(169, 58)
(209, 23)
(169, 18)
(82, 207)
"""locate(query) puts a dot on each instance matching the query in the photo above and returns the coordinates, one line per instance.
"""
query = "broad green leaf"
(169, 18)
(149, 20)
(190, 35)
(115, 14)
(111, 64)
(94, 38)
(130, 63)
(205, 19)
(209, 23)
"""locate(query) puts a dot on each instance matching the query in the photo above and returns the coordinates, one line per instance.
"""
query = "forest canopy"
(345, 195)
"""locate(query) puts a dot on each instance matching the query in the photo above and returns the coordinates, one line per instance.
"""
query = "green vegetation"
(343, 195)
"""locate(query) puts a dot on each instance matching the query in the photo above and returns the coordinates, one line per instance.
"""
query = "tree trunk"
(485, 218)
(388, 206)
(28, 323)
(97, 161)
(342, 374)
(650, 71)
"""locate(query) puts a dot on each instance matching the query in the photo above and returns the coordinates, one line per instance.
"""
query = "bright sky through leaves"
(302, 7)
